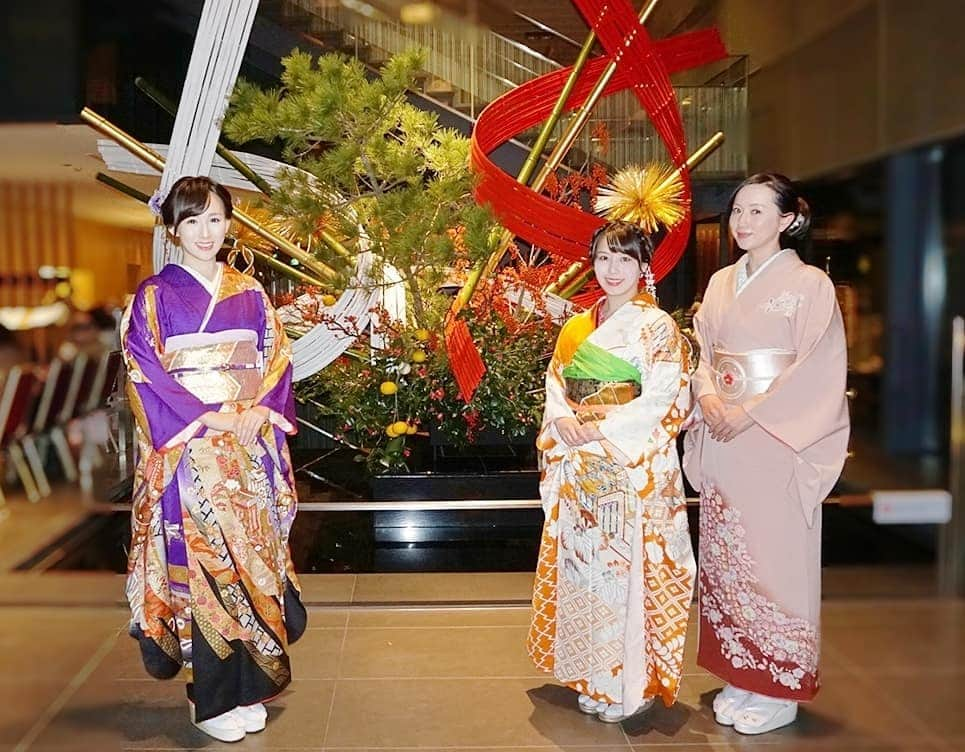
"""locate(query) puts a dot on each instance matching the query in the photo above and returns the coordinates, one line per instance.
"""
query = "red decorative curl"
(643, 65)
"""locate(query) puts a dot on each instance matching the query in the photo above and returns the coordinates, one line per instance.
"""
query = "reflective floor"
(437, 661)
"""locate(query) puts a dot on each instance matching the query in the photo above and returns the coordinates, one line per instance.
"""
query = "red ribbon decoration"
(643, 65)
(465, 361)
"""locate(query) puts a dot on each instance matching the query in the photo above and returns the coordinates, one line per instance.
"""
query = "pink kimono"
(777, 347)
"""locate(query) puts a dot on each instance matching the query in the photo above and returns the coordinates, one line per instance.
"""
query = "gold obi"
(739, 376)
(591, 399)
(214, 367)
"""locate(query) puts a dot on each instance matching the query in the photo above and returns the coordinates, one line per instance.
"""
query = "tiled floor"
(375, 671)
(442, 678)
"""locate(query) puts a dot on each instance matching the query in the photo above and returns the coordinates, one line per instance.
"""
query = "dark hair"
(624, 237)
(787, 199)
(189, 197)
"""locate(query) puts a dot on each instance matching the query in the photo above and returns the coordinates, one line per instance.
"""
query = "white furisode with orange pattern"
(616, 569)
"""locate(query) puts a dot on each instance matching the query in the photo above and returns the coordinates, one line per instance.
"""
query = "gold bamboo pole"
(566, 277)
(155, 160)
(285, 268)
(526, 171)
(554, 160)
(569, 288)
(574, 127)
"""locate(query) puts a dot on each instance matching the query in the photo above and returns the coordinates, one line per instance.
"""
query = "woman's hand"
(250, 423)
(712, 410)
(734, 422)
(220, 422)
(570, 431)
(591, 432)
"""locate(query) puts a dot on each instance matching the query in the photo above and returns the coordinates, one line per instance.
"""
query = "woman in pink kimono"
(210, 580)
(769, 446)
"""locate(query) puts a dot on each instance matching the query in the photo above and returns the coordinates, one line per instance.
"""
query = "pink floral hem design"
(753, 632)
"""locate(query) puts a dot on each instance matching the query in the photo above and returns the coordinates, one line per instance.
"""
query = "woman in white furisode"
(769, 447)
(616, 569)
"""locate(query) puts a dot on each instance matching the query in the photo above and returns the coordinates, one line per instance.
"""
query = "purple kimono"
(210, 579)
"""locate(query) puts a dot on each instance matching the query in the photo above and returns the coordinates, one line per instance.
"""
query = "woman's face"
(755, 220)
(616, 273)
(201, 236)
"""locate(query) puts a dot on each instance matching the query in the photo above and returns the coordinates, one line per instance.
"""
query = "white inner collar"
(211, 285)
(743, 279)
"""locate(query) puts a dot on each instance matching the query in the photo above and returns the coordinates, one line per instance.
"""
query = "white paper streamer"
(215, 60)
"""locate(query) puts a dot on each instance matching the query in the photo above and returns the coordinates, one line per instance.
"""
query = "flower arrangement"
(384, 398)
(376, 175)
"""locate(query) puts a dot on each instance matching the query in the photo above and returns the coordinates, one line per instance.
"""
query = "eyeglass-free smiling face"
(756, 222)
(202, 235)
(618, 274)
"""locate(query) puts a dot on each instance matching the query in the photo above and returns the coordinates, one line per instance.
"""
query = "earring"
(649, 283)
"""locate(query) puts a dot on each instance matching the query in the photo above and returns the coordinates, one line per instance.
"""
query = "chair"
(103, 384)
(51, 403)
(16, 398)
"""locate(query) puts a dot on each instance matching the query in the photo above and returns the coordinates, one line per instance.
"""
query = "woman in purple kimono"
(770, 445)
(210, 580)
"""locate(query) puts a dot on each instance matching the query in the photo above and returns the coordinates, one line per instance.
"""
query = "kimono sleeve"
(702, 381)
(640, 427)
(166, 412)
(276, 386)
(556, 406)
(806, 407)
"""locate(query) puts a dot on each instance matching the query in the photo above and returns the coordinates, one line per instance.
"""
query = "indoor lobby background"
(418, 607)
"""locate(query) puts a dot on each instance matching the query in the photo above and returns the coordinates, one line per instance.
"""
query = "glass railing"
(468, 66)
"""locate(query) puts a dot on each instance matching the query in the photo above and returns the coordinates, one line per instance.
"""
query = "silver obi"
(739, 376)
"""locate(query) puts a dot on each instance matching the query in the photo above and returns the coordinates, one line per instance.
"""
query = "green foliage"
(369, 160)
(509, 400)
(377, 172)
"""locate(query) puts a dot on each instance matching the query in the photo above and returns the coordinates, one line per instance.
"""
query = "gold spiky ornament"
(650, 197)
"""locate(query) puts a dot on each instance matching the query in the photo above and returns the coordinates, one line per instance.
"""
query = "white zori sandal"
(253, 717)
(760, 714)
(227, 727)
(590, 706)
(614, 713)
(728, 700)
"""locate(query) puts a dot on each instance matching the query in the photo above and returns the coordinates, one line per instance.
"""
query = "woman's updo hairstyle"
(189, 197)
(788, 201)
(624, 237)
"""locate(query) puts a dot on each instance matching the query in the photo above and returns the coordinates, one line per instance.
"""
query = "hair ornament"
(648, 196)
(796, 223)
(154, 203)
(649, 283)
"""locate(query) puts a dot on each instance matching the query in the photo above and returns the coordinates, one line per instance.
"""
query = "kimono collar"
(742, 277)
(641, 299)
(211, 285)
(645, 298)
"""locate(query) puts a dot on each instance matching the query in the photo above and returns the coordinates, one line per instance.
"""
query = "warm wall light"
(418, 13)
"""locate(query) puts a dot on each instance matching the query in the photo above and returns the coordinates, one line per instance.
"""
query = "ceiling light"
(418, 13)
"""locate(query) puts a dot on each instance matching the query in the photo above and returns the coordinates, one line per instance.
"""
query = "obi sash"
(215, 367)
(591, 399)
(739, 376)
